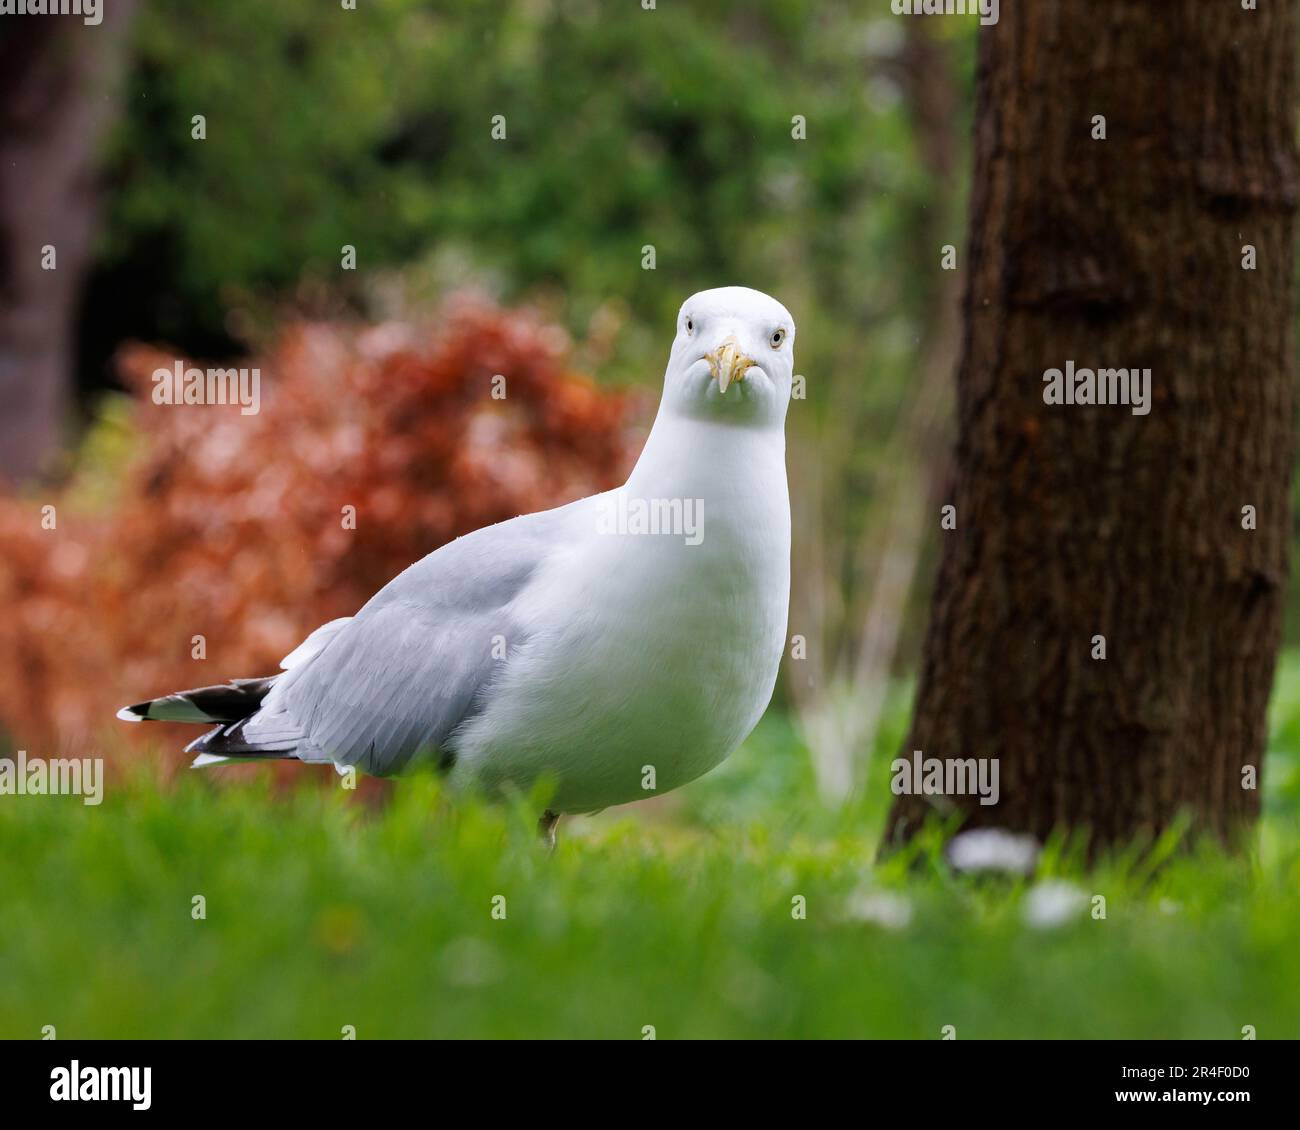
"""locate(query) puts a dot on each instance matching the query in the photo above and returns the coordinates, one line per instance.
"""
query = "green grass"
(323, 911)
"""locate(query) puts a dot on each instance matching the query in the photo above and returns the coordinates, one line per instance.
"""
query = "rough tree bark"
(1078, 521)
(56, 94)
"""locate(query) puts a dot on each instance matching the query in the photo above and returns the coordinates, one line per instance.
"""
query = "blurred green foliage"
(624, 128)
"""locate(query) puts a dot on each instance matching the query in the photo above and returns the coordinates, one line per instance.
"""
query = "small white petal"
(1052, 903)
(992, 849)
(884, 908)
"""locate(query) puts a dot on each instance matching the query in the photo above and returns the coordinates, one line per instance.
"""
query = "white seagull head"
(733, 358)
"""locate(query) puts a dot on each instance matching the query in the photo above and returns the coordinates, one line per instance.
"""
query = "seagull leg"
(546, 828)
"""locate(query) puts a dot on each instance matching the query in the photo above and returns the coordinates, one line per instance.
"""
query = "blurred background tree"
(1108, 608)
(327, 128)
(58, 89)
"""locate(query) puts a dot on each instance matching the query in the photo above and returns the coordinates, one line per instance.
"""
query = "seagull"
(615, 648)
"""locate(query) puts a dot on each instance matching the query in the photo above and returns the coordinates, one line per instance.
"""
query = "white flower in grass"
(1052, 903)
(884, 908)
(992, 849)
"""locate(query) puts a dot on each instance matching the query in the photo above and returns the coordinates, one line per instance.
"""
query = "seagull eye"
(778, 336)
(690, 325)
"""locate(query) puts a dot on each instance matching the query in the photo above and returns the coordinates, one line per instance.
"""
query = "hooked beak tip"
(727, 364)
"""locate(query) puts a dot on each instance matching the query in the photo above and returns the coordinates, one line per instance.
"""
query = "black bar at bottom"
(363, 1077)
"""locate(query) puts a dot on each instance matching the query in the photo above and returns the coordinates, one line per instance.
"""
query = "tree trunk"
(1078, 521)
(55, 97)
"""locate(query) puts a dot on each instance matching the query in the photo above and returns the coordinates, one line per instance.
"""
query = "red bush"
(230, 526)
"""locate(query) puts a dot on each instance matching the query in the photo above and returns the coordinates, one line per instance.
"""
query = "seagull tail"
(226, 702)
(229, 705)
(228, 743)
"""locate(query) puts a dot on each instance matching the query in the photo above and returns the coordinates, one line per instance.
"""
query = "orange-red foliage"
(231, 526)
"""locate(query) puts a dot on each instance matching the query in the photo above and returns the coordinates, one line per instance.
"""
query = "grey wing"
(417, 660)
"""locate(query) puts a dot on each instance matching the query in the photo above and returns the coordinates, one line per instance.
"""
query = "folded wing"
(418, 660)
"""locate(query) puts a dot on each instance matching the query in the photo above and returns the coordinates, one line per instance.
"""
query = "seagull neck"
(686, 456)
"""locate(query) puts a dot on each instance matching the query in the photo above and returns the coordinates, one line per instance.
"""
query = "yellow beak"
(727, 363)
